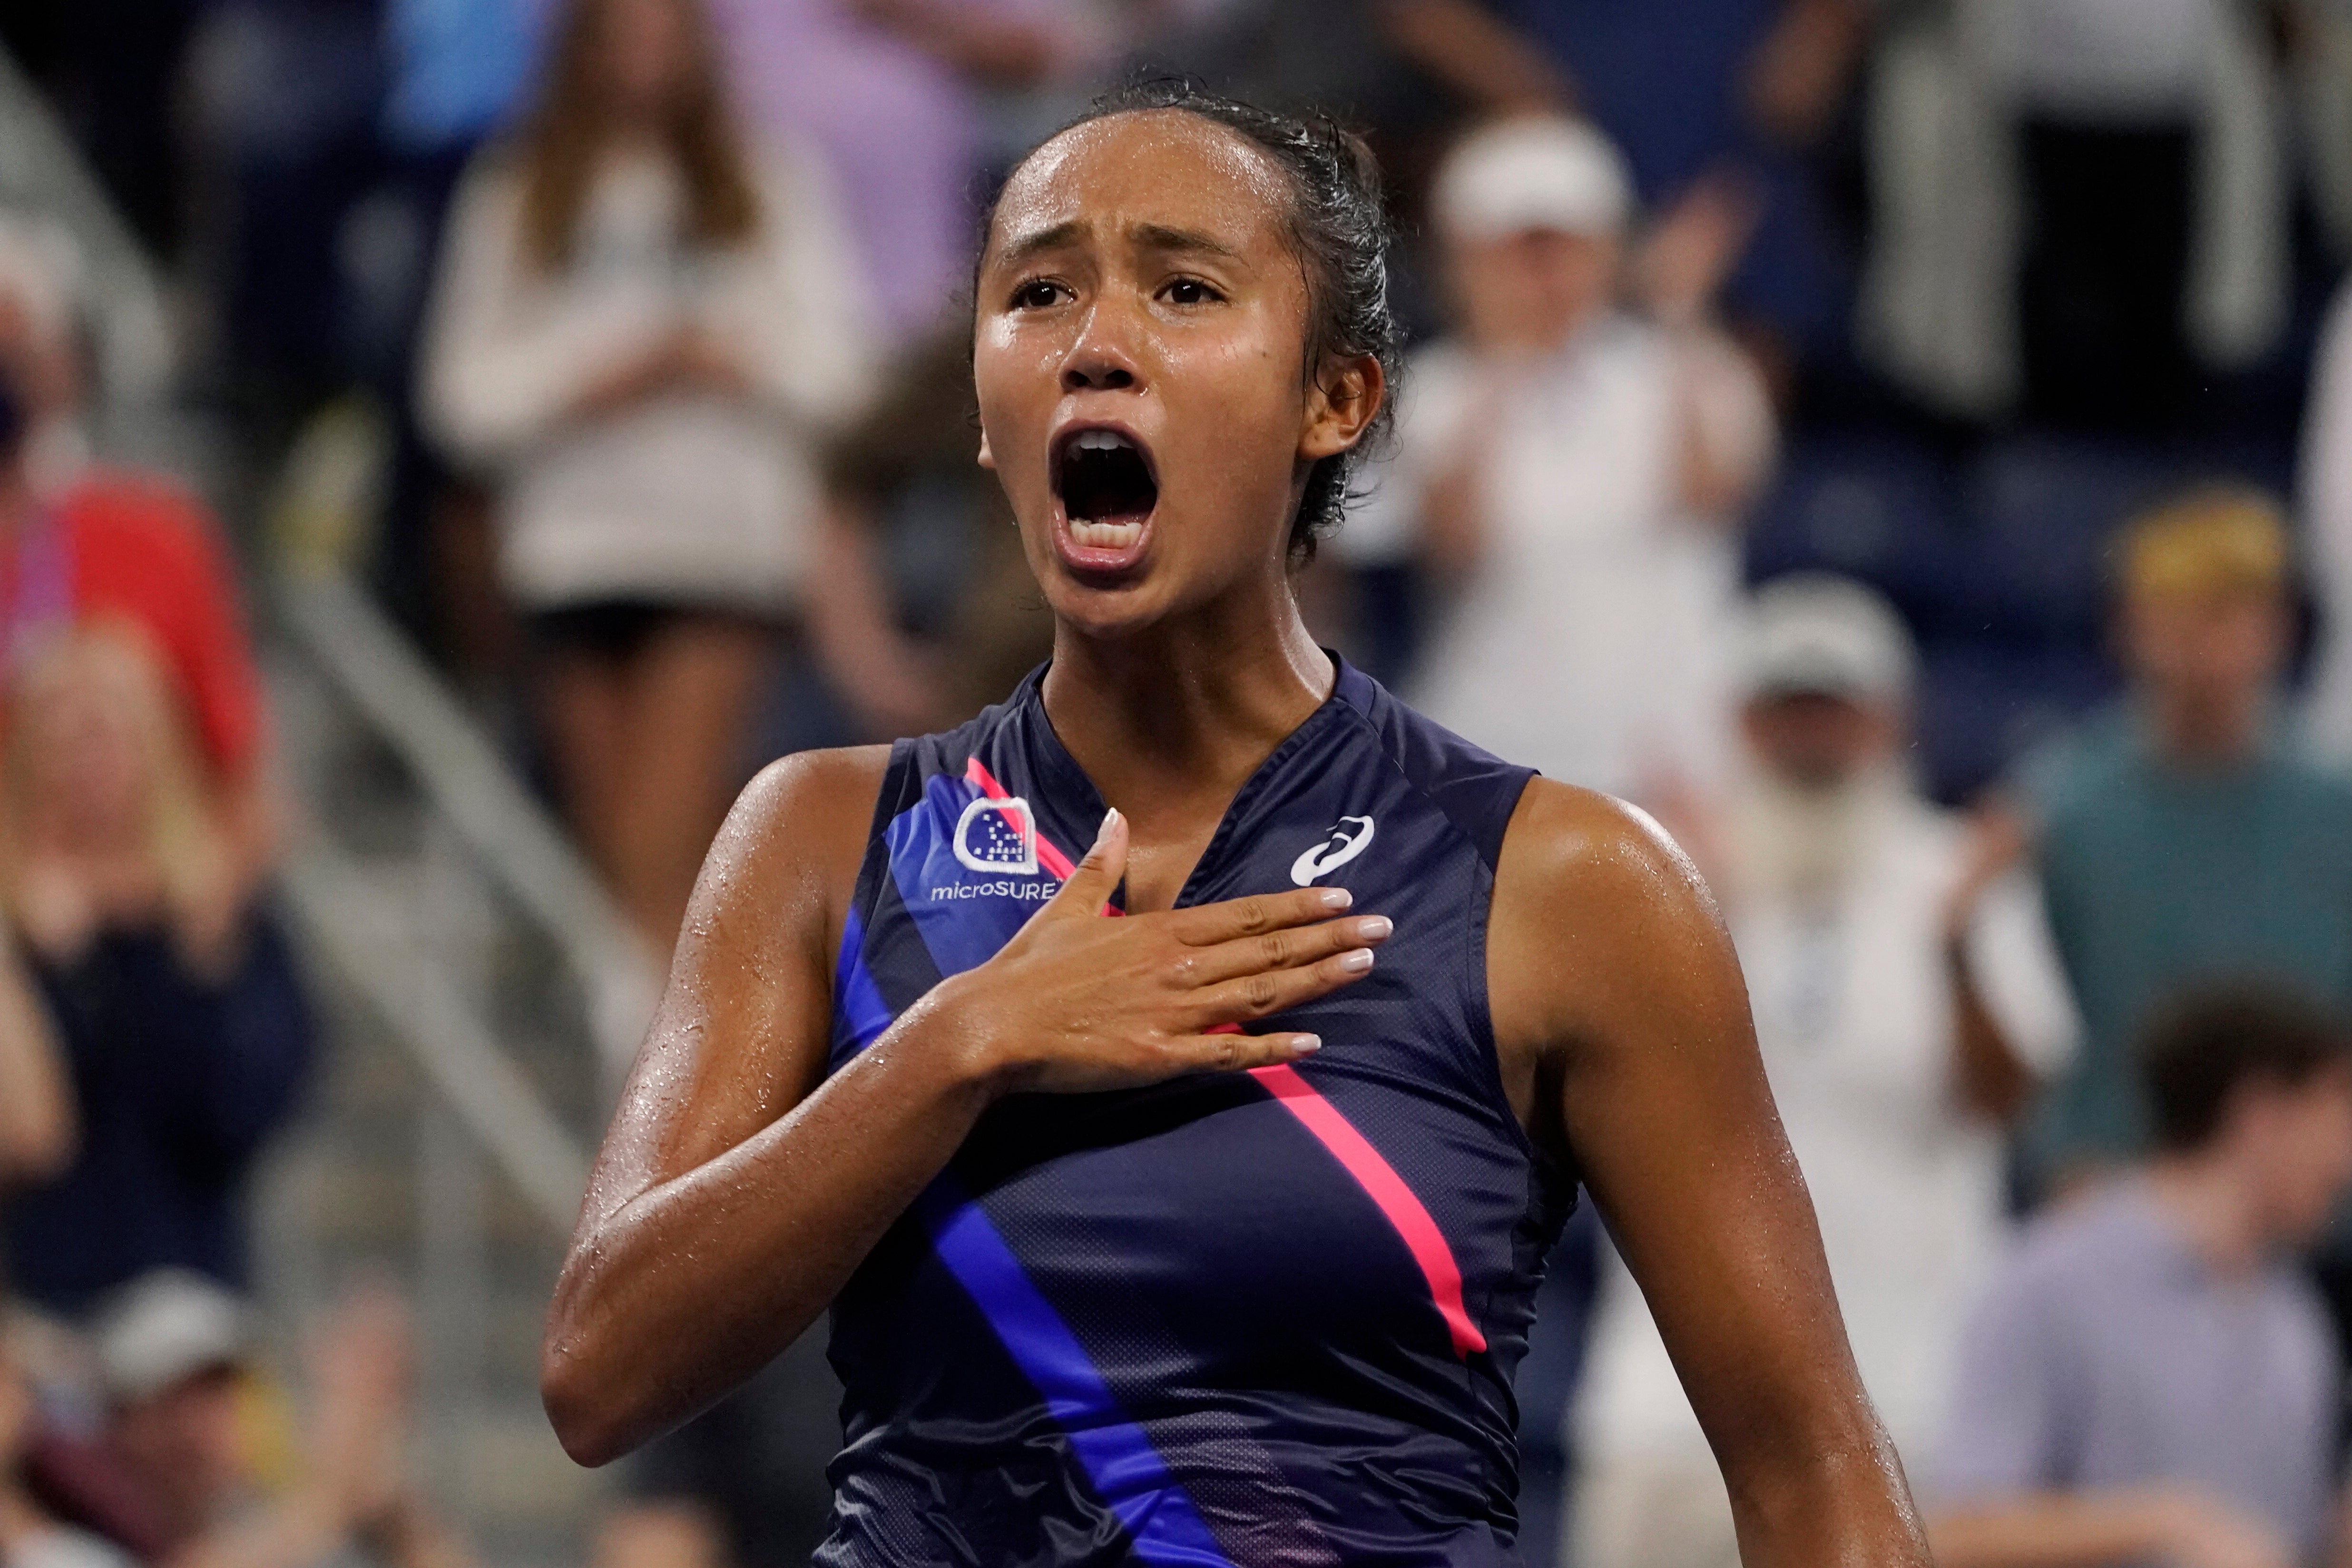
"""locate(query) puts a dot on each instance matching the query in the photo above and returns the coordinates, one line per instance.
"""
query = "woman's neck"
(1171, 723)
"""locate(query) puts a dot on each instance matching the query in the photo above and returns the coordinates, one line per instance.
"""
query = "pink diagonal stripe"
(1386, 1188)
(1333, 1131)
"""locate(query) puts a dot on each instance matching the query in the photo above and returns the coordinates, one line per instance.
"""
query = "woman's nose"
(1100, 360)
(1094, 372)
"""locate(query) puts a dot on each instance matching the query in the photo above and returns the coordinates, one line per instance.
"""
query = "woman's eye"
(1190, 291)
(1035, 294)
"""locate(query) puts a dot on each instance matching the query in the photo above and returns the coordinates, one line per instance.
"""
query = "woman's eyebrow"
(1022, 249)
(1160, 237)
(1180, 241)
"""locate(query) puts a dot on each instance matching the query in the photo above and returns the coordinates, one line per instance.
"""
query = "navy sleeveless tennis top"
(1231, 1321)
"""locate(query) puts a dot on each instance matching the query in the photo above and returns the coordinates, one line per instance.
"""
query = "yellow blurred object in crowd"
(269, 1431)
(2216, 543)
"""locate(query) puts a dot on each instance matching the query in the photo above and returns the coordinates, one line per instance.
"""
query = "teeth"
(1099, 441)
(1105, 535)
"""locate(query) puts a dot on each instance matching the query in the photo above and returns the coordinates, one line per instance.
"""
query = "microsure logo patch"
(1035, 891)
(995, 835)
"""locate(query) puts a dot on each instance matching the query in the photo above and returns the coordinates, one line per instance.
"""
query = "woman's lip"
(1099, 560)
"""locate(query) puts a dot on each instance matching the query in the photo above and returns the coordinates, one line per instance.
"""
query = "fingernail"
(1337, 898)
(1109, 821)
(1374, 928)
(1356, 962)
(1305, 1045)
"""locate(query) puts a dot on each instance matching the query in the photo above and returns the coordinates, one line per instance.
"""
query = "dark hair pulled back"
(1338, 228)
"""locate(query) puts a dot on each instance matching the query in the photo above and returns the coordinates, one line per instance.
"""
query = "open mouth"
(1107, 488)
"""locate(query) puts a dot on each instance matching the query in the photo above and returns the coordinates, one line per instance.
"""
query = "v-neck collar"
(1068, 781)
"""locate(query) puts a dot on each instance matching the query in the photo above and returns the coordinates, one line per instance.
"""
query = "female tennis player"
(1209, 1235)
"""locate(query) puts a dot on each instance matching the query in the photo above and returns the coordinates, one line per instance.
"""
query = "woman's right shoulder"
(783, 868)
(814, 798)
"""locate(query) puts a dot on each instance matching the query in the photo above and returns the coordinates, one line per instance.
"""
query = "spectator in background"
(932, 612)
(78, 542)
(458, 69)
(2326, 480)
(890, 93)
(39, 1125)
(2181, 838)
(176, 1003)
(173, 1353)
(1571, 473)
(644, 323)
(29, 1536)
(2150, 1378)
(2081, 207)
(1697, 92)
(1907, 997)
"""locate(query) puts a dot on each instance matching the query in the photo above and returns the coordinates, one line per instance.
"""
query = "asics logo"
(998, 834)
(1341, 845)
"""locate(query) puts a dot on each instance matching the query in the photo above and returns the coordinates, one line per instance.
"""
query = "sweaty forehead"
(1162, 166)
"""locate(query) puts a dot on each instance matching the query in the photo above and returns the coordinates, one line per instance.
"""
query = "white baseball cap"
(1544, 172)
(164, 1327)
(1815, 634)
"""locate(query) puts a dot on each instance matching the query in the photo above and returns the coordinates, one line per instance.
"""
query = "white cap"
(1814, 633)
(1540, 172)
(164, 1327)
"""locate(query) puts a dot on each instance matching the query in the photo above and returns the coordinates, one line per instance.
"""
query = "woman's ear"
(1345, 402)
(987, 458)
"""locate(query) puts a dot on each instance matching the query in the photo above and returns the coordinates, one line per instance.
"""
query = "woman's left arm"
(1625, 1034)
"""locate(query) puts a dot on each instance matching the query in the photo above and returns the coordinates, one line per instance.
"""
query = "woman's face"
(1138, 342)
(644, 55)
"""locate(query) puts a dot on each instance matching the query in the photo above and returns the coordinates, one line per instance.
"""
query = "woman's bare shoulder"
(827, 778)
(1589, 855)
(742, 1020)
(803, 821)
(1598, 915)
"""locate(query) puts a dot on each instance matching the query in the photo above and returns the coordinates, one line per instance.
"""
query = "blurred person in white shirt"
(643, 327)
(1906, 998)
(1570, 472)
(2325, 480)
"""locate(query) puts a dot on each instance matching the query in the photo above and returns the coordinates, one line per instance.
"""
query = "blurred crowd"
(1904, 446)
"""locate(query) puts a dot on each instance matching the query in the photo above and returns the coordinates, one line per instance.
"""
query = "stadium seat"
(1875, 507)
(2038, 514)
